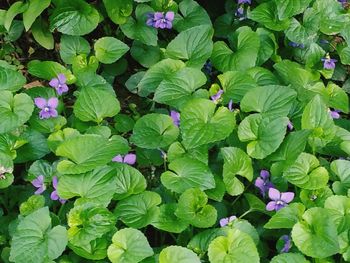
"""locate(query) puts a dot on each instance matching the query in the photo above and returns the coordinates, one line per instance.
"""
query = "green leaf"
(177, 254)
(154, 131)
(146, 55)
(255, 204)
(339, 206)
(109, 49)
(193, 208)
(71, 46)
(35, 8)
(270, 101)
(88, 151)
(35, 240)
(316, 235)
(263, 76)
(317, 118)
(42, 35)
(235, 85)
(337, 97)
(6, 170)
(14, 110)
(129, 246)
(267, 15)
(177, 90)
(118, 10)
(306, 32)
(32, 204)
(193, 45)
(246, 43)
(138, 29)
(236, 247)
(192, 15)
(306, 173)
(200, 242)
(264, 135)
(95, 105)
(289, 8)
(56, 138)
(168, 221)
(11, 80)
(129, 181)
(97, 186)
(88, 224)
(177, 151)
(162, 71)
(289, 258)
(341, 168)
(74, 18)
(287, 217)
(187, 173)
(15, 9)
(139, 210)
(201, 124)
(49, 70)
(236, 162)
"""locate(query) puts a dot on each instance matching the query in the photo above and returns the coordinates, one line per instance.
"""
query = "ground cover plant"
(174, 131)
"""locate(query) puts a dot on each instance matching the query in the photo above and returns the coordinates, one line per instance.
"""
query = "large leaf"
(88, 151)
(35, 8)
(48, 70)
(201, 124)
(287, 217)
(35, 241)
(95, 105)
(168, 221)
(154, 131)
(235, 85)
(177, 254)
(74, 18)
(306, 173)
(118, 10)
(177, 90)
(129, 246)
(274, 101)
(139, 210)
(193, 208)
(341, 168)
(95, 186)
(246, 43)
(109, 49)
(316, 234)
(42, 35)
(14, 110)
(193, 45)
(289, 258)
(289, 8)
(236, 162)
(15, 9)
(71, 46)
(187, 173)
(236, 247)
(11, 80)
(263, 134)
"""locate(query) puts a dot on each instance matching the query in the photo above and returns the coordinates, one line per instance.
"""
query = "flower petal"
(54, 82)
(271, 206)
(38, 182)
(54, 195)
(54, 182)
(158, 15)
(287, 197)
(52, 102)
(130, 158)
(40, 190)
(274, 194)
(53, 113)
(264, 174)
(62, 78)
(40, 102)
(170, 16)
(223, 222)
(118, 159)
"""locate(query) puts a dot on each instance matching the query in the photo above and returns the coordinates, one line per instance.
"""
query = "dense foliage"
(174, 131)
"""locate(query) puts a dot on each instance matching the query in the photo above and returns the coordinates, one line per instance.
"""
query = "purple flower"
(244, 2)
(296, 45)
(279, 200)
(129, 158)
(335, 114)
(263, 182)
(240, 13)
(59, 84)
(229, 106)
(215, 98)
(54, 195)
(176, 117)
(159, 20)
(225, 221)
(48, 107)
(40, 184)
(328, 63)
(287, 243)
(290, 125)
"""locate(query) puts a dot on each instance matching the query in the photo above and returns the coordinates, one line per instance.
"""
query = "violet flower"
(59, 84)
(263, 182)
(40, 184)
(48, 107)
(225, 221)
(328, 63)
(176, 117)
(161, 20)
(335, 114)
(290, 125)
(287, 244)
(279, 200)
(244, 2)
(129, 158)
(54, 195)
(215, 98)
(240, 13)
(230, 105)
